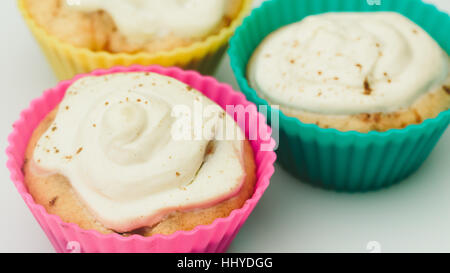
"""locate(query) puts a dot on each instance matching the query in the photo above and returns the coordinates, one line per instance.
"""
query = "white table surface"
(412, 216)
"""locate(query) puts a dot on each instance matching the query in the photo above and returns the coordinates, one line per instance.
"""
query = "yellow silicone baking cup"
(68, 60)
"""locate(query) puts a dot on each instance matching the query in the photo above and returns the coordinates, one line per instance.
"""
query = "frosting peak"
(348, 63)
(145, 19)
(113, 138)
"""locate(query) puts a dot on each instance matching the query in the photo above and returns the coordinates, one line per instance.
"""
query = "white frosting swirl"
(142, 20)
(348, 63)
(113, 138)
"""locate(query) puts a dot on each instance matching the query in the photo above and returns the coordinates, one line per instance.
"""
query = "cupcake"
(363, 97)
(120, 162)
(78, 36)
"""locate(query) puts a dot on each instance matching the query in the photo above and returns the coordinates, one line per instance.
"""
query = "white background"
(291, 217)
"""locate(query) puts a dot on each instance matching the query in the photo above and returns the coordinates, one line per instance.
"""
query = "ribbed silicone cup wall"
(344, 161)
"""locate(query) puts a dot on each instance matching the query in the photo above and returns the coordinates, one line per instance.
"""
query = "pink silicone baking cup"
(216, 237)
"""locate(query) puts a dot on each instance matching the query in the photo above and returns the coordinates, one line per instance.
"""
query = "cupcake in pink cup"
(141, 159)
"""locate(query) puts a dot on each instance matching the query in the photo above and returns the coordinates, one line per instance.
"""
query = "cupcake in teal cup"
(362, 87)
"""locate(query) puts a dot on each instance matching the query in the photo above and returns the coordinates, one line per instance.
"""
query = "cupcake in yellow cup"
(78, 36)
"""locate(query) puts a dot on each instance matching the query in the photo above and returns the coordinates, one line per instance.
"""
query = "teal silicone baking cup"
(343, 161)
